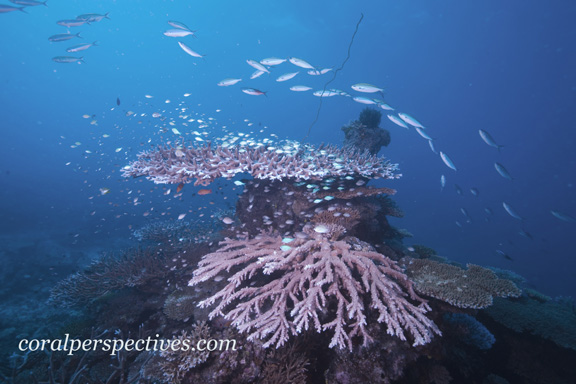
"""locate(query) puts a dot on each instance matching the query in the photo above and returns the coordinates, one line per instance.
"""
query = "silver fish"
(271, 61)
(385, 106)
(563, 216)
(9, 8)
(363, 100)
(178, 33)
(397, 121)
(287, 76)
(81, 47)
(63, 37)
(300, 63)
(253, 92)
(431, 144)
(447, 161)
(318, 72)
(504, 255)
(474, 191)
(92, 17)
(502, 171)
(511, 211)
(525, 234)
(256, 74)
(488, 139)
(300, 88)
(326, 93)
(68, 59)
(366, 88)
(410, 120)
(189, 51)
(178, 25)
(423, 133)
(228, 82)
(442, 182)
(256, 65)
(29, 3)
(71, 23)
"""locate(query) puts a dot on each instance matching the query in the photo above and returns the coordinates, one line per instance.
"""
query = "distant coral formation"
(471, 288)
(133, 268)
(365, 133)
(554, 320)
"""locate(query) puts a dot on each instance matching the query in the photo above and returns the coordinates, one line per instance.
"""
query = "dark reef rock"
(364, 133)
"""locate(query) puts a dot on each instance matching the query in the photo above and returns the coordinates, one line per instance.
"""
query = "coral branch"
(173, 165)
(319, 281)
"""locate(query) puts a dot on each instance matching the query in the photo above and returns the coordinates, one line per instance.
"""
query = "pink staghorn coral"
(172, 165)
(319, 281)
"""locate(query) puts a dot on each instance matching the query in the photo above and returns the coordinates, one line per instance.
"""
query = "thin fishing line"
(334, 76)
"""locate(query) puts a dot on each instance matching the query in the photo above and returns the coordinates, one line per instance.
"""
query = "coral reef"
(471, 288)
(133, 268)
(423, 251)
(181, 304)
(282, 287)
(176, 364)
(285, 365)
(469, 330)
(552, 320)
(365, 133)
(292, 160)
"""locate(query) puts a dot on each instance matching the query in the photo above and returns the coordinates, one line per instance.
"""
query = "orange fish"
(203, 192)
(179, 188)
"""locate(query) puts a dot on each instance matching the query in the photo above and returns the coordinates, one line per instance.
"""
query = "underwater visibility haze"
(355, 192)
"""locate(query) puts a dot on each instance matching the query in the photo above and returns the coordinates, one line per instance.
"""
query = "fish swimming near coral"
(397, 121)
(410, 120)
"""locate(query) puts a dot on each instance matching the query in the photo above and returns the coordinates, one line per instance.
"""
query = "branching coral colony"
(309, 250)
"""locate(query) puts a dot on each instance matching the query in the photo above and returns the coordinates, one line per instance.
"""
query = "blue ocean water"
(504, 67)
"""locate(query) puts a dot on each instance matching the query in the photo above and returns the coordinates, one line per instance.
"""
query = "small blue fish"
(397, 121)
(431, 144)
(504, 255)
(474, 191)
(525, 234)
(410, 120)
(488, 211)
(458, 189)
(563, 216)
(447, 161)
(488, 139)
(442, 182)
(502, 171)
(423, 133)
(511, 211)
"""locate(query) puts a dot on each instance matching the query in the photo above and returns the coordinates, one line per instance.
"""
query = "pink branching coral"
(282, 287)
(173, 165)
